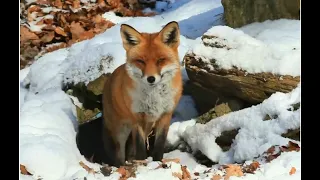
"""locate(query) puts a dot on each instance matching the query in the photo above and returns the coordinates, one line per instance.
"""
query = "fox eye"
(161, 60)
(140, 61)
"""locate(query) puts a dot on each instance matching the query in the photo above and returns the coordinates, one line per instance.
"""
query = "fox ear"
(170, 34)
(130, 36)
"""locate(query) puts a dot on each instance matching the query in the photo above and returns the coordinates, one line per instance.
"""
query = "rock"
(90, 97)
(239, 13)
(205, 99)
(96, 86)
(215, 112)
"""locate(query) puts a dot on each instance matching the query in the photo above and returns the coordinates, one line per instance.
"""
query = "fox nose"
(151, 79)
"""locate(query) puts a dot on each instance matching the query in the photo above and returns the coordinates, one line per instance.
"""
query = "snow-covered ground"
(48, 122)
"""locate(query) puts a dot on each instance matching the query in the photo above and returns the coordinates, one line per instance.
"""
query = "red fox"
(142, 93)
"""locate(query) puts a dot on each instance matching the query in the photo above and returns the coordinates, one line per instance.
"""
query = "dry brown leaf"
(24, 170)
(60, 31)
(48, 37)
(293, 146)
(101, 3)
(178, 175)
(233, 170)
(34, 8)
(185, 173)
(62, 19)
(252, 167)
(58, 4)
(216, 177)
(26, 35)
(272, 157)
(43, 2)
(76, 30)
(87, 168)
(36, 42)
(97, 19)
(114, 3)
(76, 4)
(292, 171)
(176, 160)
(271, 150)
(122, 171)
(86, 35)
(68, 2)
(48, 21)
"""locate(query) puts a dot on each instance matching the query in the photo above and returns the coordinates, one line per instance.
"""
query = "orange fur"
(148, 54)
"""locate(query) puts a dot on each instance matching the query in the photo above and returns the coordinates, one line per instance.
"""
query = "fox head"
(151, 57)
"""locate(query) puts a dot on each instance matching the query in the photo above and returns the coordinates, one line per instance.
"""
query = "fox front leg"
(115, 144)
(161, 131)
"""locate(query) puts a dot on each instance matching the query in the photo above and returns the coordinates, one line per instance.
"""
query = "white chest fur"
(154, 101)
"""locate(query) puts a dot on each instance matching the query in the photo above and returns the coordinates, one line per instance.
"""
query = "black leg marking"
(158, 149)
(141, 152)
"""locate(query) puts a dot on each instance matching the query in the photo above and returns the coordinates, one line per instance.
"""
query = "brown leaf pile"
(272, 153)
(239, 170)
(62, 23)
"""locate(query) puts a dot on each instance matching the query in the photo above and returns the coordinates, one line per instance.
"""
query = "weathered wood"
(251, 88)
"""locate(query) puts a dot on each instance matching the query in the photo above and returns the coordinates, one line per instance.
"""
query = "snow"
(271, 46)
(253, 138)
(48, 123)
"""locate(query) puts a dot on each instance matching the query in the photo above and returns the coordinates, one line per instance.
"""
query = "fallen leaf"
(86, 35)
(43, 2)
(252, 167)
(185, 173)
(76, 30)
(101, 3)
(114, 3)
(178, 175)
(271, 150)
(48, 37)
(34, 8)
(76, 4)
(122, 171)
(26, 35)
(24, 170)
(176, 160)
(87, 168)
(48, 21)
(233, 170)
(292, 171)
(36, 42)
(216, 177)
(273, 156)
(58, 4)
(60, 31)
(68, 2)
(293, 146)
